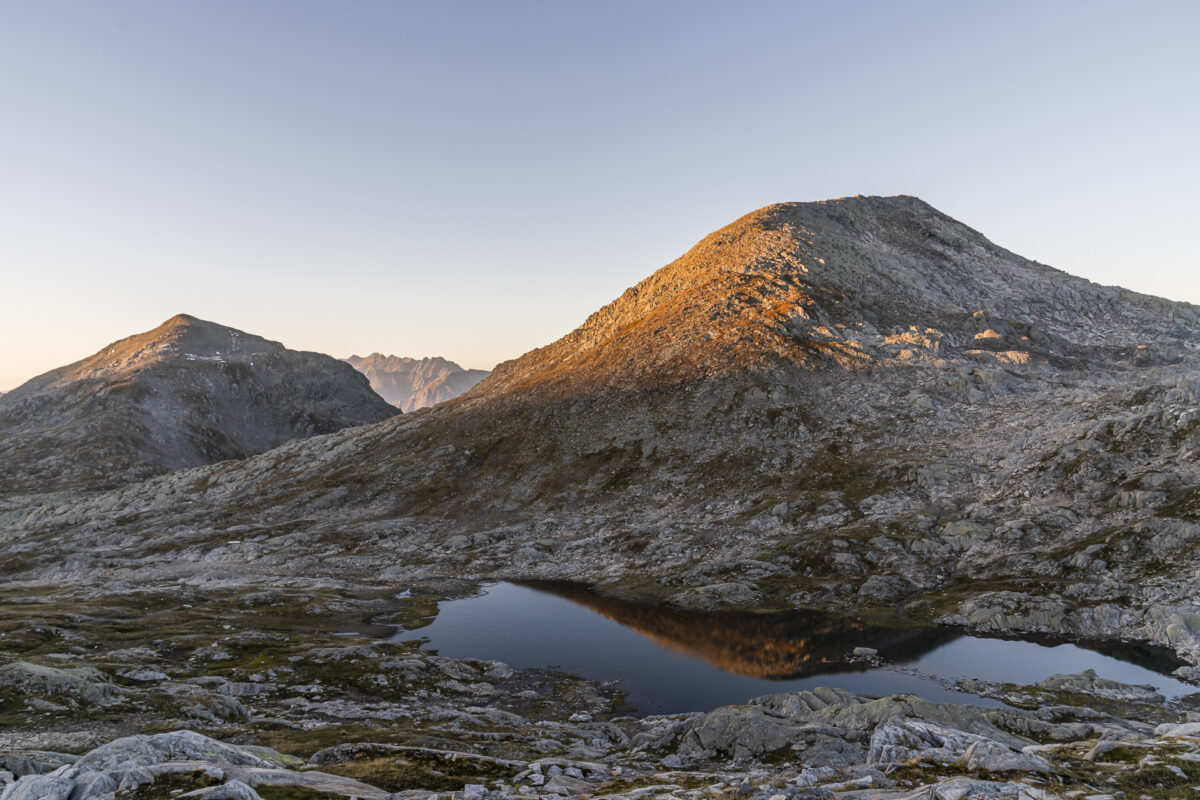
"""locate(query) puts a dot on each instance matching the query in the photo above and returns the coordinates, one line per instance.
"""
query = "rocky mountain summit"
(858, 404)
(185, 394)
(412, 383)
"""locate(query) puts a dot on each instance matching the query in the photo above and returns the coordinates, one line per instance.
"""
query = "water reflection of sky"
(525, 627)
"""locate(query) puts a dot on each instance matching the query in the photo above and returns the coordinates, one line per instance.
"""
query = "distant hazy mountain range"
(412, 383)
(187, 393)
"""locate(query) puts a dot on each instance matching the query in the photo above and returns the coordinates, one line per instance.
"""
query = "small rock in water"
(1188, 673)
(865, 651)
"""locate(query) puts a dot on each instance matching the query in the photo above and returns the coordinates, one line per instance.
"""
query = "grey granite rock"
(991, 757)
(1088, 682)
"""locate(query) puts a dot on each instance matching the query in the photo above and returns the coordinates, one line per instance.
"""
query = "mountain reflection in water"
(667, 660)
(774, 646)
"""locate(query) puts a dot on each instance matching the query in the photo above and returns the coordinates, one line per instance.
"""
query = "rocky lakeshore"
(301, 693)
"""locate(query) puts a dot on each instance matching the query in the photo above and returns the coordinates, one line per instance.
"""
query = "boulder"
(34, 762)
(39, 787)
(76, 685)
(1188, 673)
(90, 783)
(561, 784)
(855, 713)
(901, 742)
(992, 757)
(1089, 683)
(736, 731)
(144, 751)
(801, 705)
(971, 789)
(1180, 729)
(230, 790)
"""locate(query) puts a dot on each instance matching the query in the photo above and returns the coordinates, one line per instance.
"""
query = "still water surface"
(670, 661)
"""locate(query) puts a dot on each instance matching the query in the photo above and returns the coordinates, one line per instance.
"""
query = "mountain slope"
(187, 393)
(859, 404)
(410, 383)
(853, 282)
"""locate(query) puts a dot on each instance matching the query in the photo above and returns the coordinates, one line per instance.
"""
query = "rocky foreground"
(820, 744)
(306, 693)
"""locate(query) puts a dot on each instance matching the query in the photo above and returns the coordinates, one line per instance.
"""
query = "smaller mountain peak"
(185, 325)
(868, 203)
(186, 321)
(180, 321)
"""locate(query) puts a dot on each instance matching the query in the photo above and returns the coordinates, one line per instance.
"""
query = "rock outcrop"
(804, 748)
(221, 771)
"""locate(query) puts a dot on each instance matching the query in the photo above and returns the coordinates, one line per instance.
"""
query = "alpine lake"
(666, 660)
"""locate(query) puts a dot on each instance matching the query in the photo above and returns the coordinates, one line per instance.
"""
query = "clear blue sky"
(472, 179)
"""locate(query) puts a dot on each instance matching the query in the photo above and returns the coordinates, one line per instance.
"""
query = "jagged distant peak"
(411, 383)
(391, 361)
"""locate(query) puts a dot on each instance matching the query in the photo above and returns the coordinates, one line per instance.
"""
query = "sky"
(472, 179)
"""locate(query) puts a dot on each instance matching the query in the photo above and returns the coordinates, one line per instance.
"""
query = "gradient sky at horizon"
(472, 179)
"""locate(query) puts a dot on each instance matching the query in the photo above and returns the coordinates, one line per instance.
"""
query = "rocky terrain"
(859, 405)
(202, 690)
(187, 393)
(412, 383)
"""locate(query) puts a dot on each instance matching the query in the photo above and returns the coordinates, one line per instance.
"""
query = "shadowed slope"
(187, 393)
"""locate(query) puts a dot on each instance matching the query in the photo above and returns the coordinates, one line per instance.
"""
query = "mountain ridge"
(752, 428)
